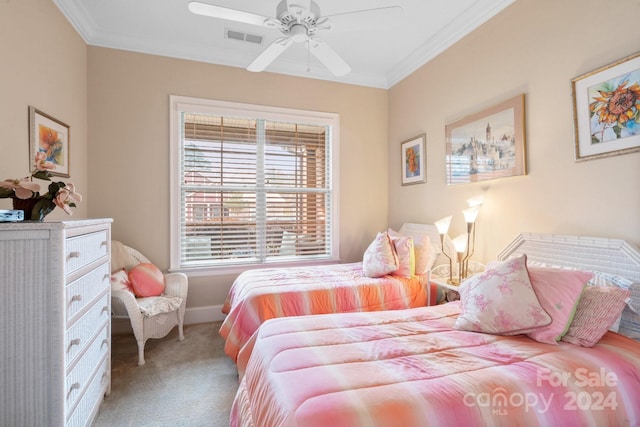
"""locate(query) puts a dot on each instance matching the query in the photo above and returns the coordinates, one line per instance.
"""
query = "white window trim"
(251, 111)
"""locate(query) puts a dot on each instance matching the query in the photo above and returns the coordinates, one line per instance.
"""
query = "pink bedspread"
(259, 295)
(409, 368)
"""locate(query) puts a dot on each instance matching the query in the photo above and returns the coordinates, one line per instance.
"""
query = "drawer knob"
(74, 386)
(74, 254)
(105, 342)
(76, 298)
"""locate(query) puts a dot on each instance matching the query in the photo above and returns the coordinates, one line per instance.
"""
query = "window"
(251, 185)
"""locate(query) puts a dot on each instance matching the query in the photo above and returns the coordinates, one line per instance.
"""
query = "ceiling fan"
(299, 21)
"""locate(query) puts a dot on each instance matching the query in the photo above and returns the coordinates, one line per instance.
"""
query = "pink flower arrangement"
(23, 191)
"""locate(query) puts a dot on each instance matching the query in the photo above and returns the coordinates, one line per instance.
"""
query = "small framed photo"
(486, 145)
(50, 136)
(414, 160)
(606, 110)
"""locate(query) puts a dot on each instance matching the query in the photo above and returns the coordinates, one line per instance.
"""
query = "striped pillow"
(597, 310)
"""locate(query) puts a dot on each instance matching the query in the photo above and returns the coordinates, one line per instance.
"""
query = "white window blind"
(253, 190)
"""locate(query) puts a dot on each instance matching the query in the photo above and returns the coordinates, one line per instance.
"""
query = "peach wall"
(534, 47)
(43, 64)
(129, 155)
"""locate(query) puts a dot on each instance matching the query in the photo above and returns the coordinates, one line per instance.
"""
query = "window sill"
(237, 269)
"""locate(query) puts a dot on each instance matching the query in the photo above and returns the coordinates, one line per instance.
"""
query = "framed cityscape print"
(486, 145)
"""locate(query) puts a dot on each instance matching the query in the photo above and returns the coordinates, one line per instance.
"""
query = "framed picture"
(50, 136)
(414, 160)
(486, 145)
(606, 110)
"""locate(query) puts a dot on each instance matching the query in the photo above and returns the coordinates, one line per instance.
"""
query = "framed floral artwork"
(487, 145)
(49, 136)
(606, 110)
(414, 160)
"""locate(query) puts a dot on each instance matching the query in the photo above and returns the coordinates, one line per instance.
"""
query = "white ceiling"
(378, 57)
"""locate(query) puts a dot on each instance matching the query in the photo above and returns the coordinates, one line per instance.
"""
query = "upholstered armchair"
(151, 317)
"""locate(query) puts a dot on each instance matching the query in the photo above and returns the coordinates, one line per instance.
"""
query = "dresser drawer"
(78, 336)
(89, 403)
(82, 291)
(84, 249)
(78, 379)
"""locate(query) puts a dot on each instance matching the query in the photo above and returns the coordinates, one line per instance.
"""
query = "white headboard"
(413, 229)
(611, 256)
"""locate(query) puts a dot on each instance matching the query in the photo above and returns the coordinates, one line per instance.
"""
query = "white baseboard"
(211, 313)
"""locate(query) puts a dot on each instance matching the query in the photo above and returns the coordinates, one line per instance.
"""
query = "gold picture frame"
(50, 136)
(606, 110)
(487, 145)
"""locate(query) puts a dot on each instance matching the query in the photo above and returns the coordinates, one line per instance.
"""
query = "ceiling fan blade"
(364, 19)
(213, 11)
(328, 57)
(274, 50)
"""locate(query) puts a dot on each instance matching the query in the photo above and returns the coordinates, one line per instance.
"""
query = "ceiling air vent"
(243, 37)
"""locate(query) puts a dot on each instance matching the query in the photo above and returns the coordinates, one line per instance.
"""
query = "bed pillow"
(501, 301)
(380, 258)
(598, 308)
(630, 324)
(403, 246)
(425, 253)
(600, 279)
(558, 292)
(146, 280)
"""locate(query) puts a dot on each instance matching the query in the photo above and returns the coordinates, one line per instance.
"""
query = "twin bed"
(412, 367)
(260, 295)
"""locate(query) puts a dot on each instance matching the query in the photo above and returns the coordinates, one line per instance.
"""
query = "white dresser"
(55, 327)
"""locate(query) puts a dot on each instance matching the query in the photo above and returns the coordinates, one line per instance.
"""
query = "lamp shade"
(460, 243)
(471, 214)
(443, 225)
(475, 201)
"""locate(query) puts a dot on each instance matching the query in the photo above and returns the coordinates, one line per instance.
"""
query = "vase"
(35, 208)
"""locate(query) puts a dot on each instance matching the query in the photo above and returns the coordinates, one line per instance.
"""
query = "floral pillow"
(501, 301)
(403, 246)
(558, 292)
(380, 258)
(598, 308)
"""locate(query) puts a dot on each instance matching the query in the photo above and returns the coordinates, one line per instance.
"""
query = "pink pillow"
(501, 301)
(558, 292)
(424, 254)
(380, 258)
(403, 246)
(146, 280)
(598, 309)
(120, 281)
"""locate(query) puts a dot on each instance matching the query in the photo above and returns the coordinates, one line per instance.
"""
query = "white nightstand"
(451, 290)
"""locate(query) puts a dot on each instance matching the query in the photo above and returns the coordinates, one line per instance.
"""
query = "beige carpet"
(183, 383)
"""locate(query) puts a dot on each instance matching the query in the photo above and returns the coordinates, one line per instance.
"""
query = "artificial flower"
(21, 188)
(60, 194)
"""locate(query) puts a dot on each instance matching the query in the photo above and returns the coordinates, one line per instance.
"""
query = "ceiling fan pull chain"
(308, 55)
